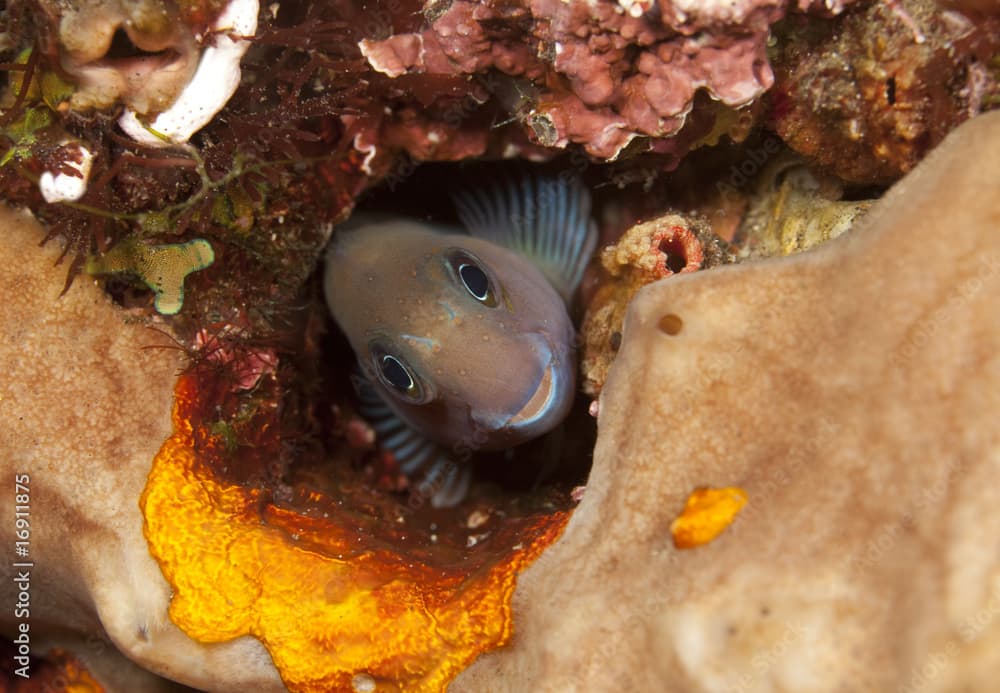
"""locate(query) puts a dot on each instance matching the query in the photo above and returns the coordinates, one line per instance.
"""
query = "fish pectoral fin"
(434, 475)
(545, 217)
(446, 482)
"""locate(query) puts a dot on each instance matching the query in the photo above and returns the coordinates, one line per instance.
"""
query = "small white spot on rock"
(368, 149)
(477, 519)
(363, 683)
(61, 187)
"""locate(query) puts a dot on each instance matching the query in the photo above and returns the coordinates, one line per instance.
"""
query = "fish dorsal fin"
(544, 217)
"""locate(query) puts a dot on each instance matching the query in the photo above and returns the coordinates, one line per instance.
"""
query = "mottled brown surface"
(868, 94)
(84, 407)
(852, 391)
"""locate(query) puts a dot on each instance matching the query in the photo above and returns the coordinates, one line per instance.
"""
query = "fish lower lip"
(539, 402)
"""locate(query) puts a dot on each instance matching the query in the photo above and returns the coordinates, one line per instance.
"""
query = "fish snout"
(545, 405)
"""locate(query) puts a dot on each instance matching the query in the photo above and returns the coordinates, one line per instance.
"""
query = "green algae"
(163, 268)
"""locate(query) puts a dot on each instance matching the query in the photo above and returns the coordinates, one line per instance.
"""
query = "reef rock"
(852, 392)
(85, 405)
(867, 96)
(599, 73)
(849, 391)
(648, 251)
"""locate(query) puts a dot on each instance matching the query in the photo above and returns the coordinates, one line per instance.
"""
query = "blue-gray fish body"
(467, 340)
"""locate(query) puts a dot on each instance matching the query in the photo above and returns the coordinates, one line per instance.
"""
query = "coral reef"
(793, 209)
(869, 95)
(646, 252)
(261, 185)
(369, 577)
(763, 378)
(598, 74)
(879, 491)
(851, 392)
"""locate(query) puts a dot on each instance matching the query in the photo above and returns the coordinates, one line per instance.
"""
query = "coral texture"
(869, 95)
(596, 73)
(847, 391)
(646, 252)
(73, 363)
(851, 391)
(163, 57)
(73, 69)
(795, 209)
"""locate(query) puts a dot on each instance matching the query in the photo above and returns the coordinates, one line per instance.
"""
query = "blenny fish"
(464, 338)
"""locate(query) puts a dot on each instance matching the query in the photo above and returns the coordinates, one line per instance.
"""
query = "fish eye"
(473, 277)
(475, 281)
(395, 373)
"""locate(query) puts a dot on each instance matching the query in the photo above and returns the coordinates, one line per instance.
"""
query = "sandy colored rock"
(84, 407)
(852, 391)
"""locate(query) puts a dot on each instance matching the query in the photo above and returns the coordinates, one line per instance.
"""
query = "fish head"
(467, 341)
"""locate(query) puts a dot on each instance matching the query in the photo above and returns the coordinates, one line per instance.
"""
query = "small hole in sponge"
(615, 340)
(675, 260)
(670, 324)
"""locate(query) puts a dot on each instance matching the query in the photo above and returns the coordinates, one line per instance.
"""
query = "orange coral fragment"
(328, 604)
(706, 514)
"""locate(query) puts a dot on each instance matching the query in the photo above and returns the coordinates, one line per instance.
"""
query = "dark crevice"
(122, 48)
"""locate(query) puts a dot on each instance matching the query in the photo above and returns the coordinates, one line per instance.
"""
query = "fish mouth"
(540, 411)
(539, 404)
